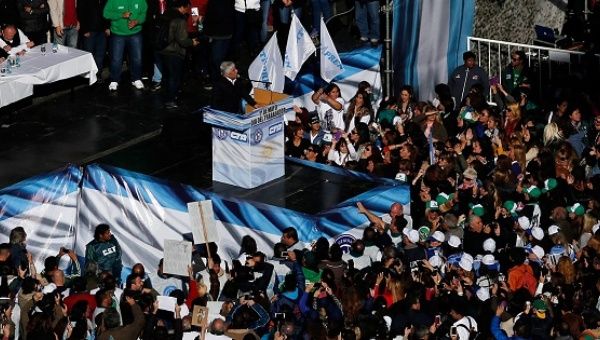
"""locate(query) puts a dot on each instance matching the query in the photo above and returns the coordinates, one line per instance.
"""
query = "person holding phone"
(465, 76)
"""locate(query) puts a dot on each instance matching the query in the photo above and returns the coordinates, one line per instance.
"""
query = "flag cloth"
(268, 67)
(331, 64)
(298, 49)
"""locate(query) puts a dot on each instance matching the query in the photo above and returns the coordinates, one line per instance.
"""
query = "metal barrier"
(547, 63)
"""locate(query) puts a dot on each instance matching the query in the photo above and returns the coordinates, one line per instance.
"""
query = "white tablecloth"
(37, 68)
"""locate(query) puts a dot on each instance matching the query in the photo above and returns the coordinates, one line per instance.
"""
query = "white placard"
(202, 222)
(166, 303)
(177, 257)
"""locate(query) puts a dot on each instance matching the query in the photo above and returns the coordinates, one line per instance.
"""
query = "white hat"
(537, 233)
(436, 261)
(488, 260)
(538, 251)
(524, 222)
(466, 263)
(553, 229)
(64, 262)
(454, 241)
(49, 288)
(438, 236)
(483, 294)
(595, 228)
(406, 231)
(489, 245)
(413, 236)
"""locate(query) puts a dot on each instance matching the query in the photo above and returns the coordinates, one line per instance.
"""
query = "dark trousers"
(96, 45)
(38, 37)
(218, 51)
(172, 68)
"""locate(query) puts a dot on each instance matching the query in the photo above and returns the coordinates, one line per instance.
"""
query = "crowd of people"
(504, 207)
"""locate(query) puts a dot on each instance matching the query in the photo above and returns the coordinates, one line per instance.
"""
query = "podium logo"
(242, 137)
(221, 134)
(273, 129)
(258, 135)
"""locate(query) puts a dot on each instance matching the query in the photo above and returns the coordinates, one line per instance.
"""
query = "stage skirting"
(62, 208)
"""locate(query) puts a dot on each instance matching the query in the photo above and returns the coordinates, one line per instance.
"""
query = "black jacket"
(219, 20)
(228, 97)
(89, 13)
(8, 12)
(37, 20)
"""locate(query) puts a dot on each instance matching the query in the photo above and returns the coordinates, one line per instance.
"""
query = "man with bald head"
(217, 328)
(475, 235)
(383, 223)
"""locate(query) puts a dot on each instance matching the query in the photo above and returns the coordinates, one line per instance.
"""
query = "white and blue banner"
(62, 208)
(268, 67)
(362, 64)
(298, 49)
(330, 62)
(428, 39)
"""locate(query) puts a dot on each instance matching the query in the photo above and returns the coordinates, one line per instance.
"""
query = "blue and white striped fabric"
(428, 39)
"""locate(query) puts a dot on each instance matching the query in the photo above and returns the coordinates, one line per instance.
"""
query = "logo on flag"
(331, 64)
(298, 49)
(267, 67)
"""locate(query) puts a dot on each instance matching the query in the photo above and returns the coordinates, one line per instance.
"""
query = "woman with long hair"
(342, 152)
(511, 120)
(406, 104)
(430, 123)
(330, 107)
(359, 110)
(296, 144)
(553, 136)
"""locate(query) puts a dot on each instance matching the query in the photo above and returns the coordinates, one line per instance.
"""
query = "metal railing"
(546, 62)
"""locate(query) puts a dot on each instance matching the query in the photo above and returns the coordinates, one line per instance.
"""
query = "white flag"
(331, 64)
(267, 67)
(299, 48)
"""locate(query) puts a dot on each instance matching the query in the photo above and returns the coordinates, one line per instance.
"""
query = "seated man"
(229, 91)
(13, 43)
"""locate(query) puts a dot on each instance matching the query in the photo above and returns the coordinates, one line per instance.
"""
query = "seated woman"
(12, 43)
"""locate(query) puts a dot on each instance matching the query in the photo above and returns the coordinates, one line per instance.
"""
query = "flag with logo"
(331, 64)
(267, 67)
(298, 49)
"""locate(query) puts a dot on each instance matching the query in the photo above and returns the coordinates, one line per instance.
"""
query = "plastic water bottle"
(43, 49)
(8, 67)
(18, 61)
(54, 47)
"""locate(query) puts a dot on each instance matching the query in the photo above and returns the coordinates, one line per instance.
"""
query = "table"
(43, 68)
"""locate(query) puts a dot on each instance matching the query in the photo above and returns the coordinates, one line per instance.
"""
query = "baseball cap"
(576, 209)
(443, 198)
(489, 245)
(454, 241)
(437, 236)
(478, 210)
(413, 236)
(533, 191)
(537, 233)
(553, 229)
(314, 119)
(538, 251)
(550, 184)
(431, 205)
(524, 222)
(540, 308)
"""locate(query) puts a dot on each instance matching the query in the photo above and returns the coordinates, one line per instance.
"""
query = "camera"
(248, 297)
(279, 316)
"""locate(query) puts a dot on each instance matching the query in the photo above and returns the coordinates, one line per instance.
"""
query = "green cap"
(549, 184)
(533, 191)
(424, 233)
(443, 198)
(576, 209)
(511, 206)
(467, 113)
(432, 205)
(478, 210)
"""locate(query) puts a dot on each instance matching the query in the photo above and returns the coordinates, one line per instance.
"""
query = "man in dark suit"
(229, 91)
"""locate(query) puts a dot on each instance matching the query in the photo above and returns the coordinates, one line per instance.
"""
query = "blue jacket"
(499, 333)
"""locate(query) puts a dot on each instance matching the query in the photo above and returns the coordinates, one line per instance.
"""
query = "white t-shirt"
(464, 332)
(364, 119)
(331, 118)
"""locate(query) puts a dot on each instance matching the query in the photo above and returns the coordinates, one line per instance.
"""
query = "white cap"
(438, 236)
(553, 229)
(413, 236)
(595, 228)
(483, 294)
(64, 262)
(436, 261)
(538, 251)
(524, 222)
(489, 245)
(466, 263)
(488, 260)
(537, 233)
(49, 288)
(454, 241)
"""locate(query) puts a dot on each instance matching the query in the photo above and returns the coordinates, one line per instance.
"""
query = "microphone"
(255, 80)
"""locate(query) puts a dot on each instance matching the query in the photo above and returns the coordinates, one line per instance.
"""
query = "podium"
(248, 150)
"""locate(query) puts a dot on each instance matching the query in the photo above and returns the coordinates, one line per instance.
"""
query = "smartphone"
(195, 11)
(453, 331)
(438, 319)
(284, 254)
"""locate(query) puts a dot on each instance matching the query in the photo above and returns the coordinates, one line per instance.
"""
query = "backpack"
(161, 36)
(473, 334)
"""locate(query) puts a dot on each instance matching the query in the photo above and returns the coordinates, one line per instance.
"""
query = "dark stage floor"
(70, 122)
